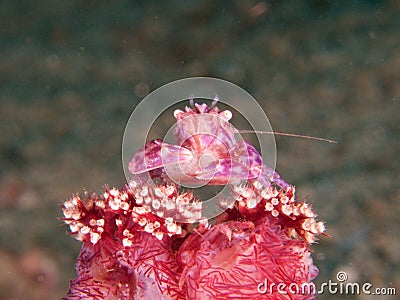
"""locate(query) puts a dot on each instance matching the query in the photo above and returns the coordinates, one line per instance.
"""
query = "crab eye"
(177, 112)
(226, 115)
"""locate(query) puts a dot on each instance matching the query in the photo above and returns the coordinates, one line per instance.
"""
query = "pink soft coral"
(133, 247)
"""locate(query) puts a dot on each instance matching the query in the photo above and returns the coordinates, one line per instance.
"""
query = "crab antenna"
(215, 101)
(191, 101)
(288, 134)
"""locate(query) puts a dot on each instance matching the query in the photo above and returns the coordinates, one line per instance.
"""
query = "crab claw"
(157, 154)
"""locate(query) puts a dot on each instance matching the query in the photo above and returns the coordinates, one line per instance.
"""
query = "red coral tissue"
(139, 244)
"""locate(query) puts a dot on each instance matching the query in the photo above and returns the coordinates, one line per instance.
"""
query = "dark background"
(71, 72)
